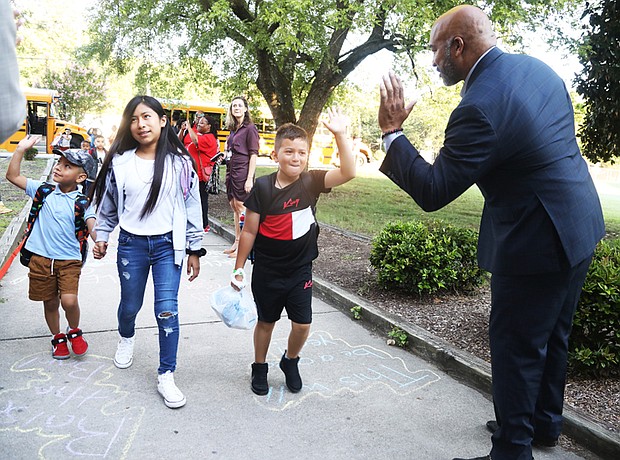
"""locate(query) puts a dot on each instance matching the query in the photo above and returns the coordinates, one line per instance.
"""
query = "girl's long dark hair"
(168, 144)
(231, 122)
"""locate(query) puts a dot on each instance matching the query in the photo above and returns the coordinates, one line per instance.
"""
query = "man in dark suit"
(513, 136)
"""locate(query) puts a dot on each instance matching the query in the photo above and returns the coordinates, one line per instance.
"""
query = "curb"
(13, 233)
(457, 363)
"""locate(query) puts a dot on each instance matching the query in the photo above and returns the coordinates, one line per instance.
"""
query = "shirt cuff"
(387, 140)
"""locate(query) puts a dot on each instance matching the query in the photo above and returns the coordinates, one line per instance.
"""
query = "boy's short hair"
(289, 131)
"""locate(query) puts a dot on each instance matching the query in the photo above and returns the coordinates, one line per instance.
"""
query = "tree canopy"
(294, 52)
(599, 84)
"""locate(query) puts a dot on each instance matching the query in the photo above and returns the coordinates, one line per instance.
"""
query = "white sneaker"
(124, 352)
(173, 397)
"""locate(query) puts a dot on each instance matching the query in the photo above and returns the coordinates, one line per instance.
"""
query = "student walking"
(53, 231)
(147, 185)
(281, 226)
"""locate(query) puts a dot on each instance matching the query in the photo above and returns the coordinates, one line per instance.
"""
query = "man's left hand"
(392, 110)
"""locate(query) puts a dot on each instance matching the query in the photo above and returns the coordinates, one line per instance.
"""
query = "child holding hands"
(148, 187)
(281, 227)
(56, 260)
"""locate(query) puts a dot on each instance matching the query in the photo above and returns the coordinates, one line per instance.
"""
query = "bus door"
(39, 122)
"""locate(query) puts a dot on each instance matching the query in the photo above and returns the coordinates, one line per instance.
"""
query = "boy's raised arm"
(13, 172)
(338, 126)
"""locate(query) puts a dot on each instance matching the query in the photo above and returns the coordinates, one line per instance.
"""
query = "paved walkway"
(362, 399)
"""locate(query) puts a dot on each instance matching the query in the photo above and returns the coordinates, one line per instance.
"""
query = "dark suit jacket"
(513, 135)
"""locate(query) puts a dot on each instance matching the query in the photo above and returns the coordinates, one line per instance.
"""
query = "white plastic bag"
(235, 308)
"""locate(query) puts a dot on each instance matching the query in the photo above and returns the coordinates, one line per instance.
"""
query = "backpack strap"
(81, 230)
(37, 203)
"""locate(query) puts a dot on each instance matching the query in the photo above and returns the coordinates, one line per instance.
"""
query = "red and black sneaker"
(78, 344)
(60, 350)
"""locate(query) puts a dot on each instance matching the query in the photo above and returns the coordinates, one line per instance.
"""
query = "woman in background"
(203, 146)
(243, 147)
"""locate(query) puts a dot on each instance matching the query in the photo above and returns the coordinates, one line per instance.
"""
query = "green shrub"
(595, 340)
(31, 153)
(426, 257)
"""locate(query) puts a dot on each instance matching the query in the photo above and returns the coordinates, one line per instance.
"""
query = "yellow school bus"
(178, 111)
(42, 119)
(266, 131)
(324, 151)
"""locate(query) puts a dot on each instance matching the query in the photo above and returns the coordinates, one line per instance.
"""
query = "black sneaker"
(259, 378)
(291, 373)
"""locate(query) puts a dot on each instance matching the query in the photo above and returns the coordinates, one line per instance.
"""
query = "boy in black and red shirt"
(281, 227)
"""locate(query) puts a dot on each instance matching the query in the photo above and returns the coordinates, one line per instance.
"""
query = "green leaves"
(294, 52)
(598, 82)
(595, 340)
(426, 257)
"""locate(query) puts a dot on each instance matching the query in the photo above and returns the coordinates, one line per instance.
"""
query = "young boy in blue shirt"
(56, 260)
(281, 227)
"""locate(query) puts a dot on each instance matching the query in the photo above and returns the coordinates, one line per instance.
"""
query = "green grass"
(368, 202)
(364, 205)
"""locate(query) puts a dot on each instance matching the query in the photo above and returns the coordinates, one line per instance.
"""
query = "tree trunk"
(275, 88)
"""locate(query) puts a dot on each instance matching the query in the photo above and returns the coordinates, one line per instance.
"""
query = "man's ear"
(274, 156)
(459, 45)
(81, 178)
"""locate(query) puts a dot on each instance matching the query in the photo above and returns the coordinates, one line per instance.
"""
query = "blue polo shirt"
(53, 233)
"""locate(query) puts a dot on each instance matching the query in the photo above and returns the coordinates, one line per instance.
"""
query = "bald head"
(465, 33)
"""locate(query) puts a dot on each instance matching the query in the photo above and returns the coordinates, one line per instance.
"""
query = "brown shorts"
(51, 278)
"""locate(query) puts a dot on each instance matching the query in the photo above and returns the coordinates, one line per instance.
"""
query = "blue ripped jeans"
(137, 255)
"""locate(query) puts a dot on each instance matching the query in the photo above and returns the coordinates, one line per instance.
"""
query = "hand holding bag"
(236, 309)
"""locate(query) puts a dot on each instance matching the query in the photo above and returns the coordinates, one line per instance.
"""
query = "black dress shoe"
(492, 426)
(486, 457)
(545, 442)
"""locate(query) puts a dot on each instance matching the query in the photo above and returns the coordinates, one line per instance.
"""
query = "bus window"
(219, 119)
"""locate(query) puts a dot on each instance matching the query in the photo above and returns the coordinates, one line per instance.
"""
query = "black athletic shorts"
(274, 291)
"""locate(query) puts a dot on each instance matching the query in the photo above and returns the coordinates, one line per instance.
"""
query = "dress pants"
(531, 320)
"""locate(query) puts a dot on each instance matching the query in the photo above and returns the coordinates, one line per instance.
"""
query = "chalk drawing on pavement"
(70, 407)
(329, 366)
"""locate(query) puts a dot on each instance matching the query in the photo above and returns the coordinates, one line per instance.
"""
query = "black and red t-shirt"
(288, 231)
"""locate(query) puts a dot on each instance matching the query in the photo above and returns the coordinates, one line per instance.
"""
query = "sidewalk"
(362, 399)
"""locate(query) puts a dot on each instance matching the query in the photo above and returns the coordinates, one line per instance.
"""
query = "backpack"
(81, 231)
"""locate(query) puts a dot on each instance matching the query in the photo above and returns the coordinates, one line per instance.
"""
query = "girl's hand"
(100, 249)
(338, 123)
(193, 267)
